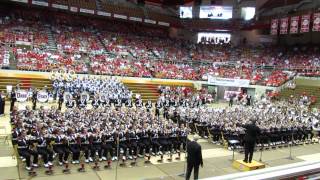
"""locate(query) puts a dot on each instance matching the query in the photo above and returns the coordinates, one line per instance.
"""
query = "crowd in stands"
(4, 58)
(40, 60)
(76, 40)
(116, 49)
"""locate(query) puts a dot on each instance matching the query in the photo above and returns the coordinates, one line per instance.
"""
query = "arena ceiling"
(168, 2)
(278, 3)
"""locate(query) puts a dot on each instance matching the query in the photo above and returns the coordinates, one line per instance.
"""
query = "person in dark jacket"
(2, 103)
(13, 99)
(194, 158)
(252, 132)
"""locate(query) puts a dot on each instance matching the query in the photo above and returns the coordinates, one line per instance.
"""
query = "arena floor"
(217, 161)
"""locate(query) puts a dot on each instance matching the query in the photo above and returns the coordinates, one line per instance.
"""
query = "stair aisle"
(147, 91)
(25, 83)
(51, 42)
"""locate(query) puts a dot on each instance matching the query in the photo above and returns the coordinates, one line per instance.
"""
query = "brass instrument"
(224, 141)
(50, 145)
(196, 127)
(33, 143)
(209, 133)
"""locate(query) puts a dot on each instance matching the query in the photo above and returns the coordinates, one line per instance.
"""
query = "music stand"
(290, 148)
(233, 143)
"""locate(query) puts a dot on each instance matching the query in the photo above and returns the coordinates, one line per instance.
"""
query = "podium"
(242, 166)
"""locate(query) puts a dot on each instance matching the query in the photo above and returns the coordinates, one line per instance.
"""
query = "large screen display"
(216, 12)
(213, 38)
(185, 12)
(248, 13)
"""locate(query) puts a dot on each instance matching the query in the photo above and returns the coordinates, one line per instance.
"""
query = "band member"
(128, 103)
(144, 141)
(95, 145)
(60, 100)
(164, 140)
(82, 102)
(106, 103)
(75, 147)
(133, 143)
(183, 134)
(118, 103)
(13, 99)
(139, 103)
(34, 99)
(85, 147)
(148, 105)
(43, 148)
(26, 150)
(108, 140)
(61, 147)
(70, 103)
(158, 107)
(174, 138)
(2, 103)
(155, 142)
(95, 103)
(167, 103)
(123, 142)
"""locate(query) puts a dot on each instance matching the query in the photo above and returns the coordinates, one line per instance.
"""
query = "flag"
(305, 23)
(284, 25)
(274, 26)
(294, 24)
(316, 22)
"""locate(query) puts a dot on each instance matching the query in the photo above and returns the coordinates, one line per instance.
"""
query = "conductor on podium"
(252, 132)
(194, 158)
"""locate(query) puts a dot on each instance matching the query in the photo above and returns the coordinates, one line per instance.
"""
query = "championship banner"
(228, 82)
(274, 26)
(294, 25)
(284, 25)
(21, 95)
(305, 23)
(316, 22)
(42, 96)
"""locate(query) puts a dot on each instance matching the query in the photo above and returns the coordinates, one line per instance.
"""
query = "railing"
(301, 170)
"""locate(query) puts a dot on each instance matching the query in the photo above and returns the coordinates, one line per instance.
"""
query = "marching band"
(117, 128)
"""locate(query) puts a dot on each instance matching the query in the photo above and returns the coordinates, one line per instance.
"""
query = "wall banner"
(305, 23)
(294, 24)
(316, 22)
(274, 26)
(284, 25)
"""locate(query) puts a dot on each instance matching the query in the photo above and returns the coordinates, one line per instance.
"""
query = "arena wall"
(254, 90)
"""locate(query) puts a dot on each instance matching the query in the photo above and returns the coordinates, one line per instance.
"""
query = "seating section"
(4, 58)
(23, 32)
(46, 61)
(130, 49)
(311, 92)
(76, 40)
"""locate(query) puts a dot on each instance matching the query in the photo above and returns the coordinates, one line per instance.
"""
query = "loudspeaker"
(141, 2)
(197, 2)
